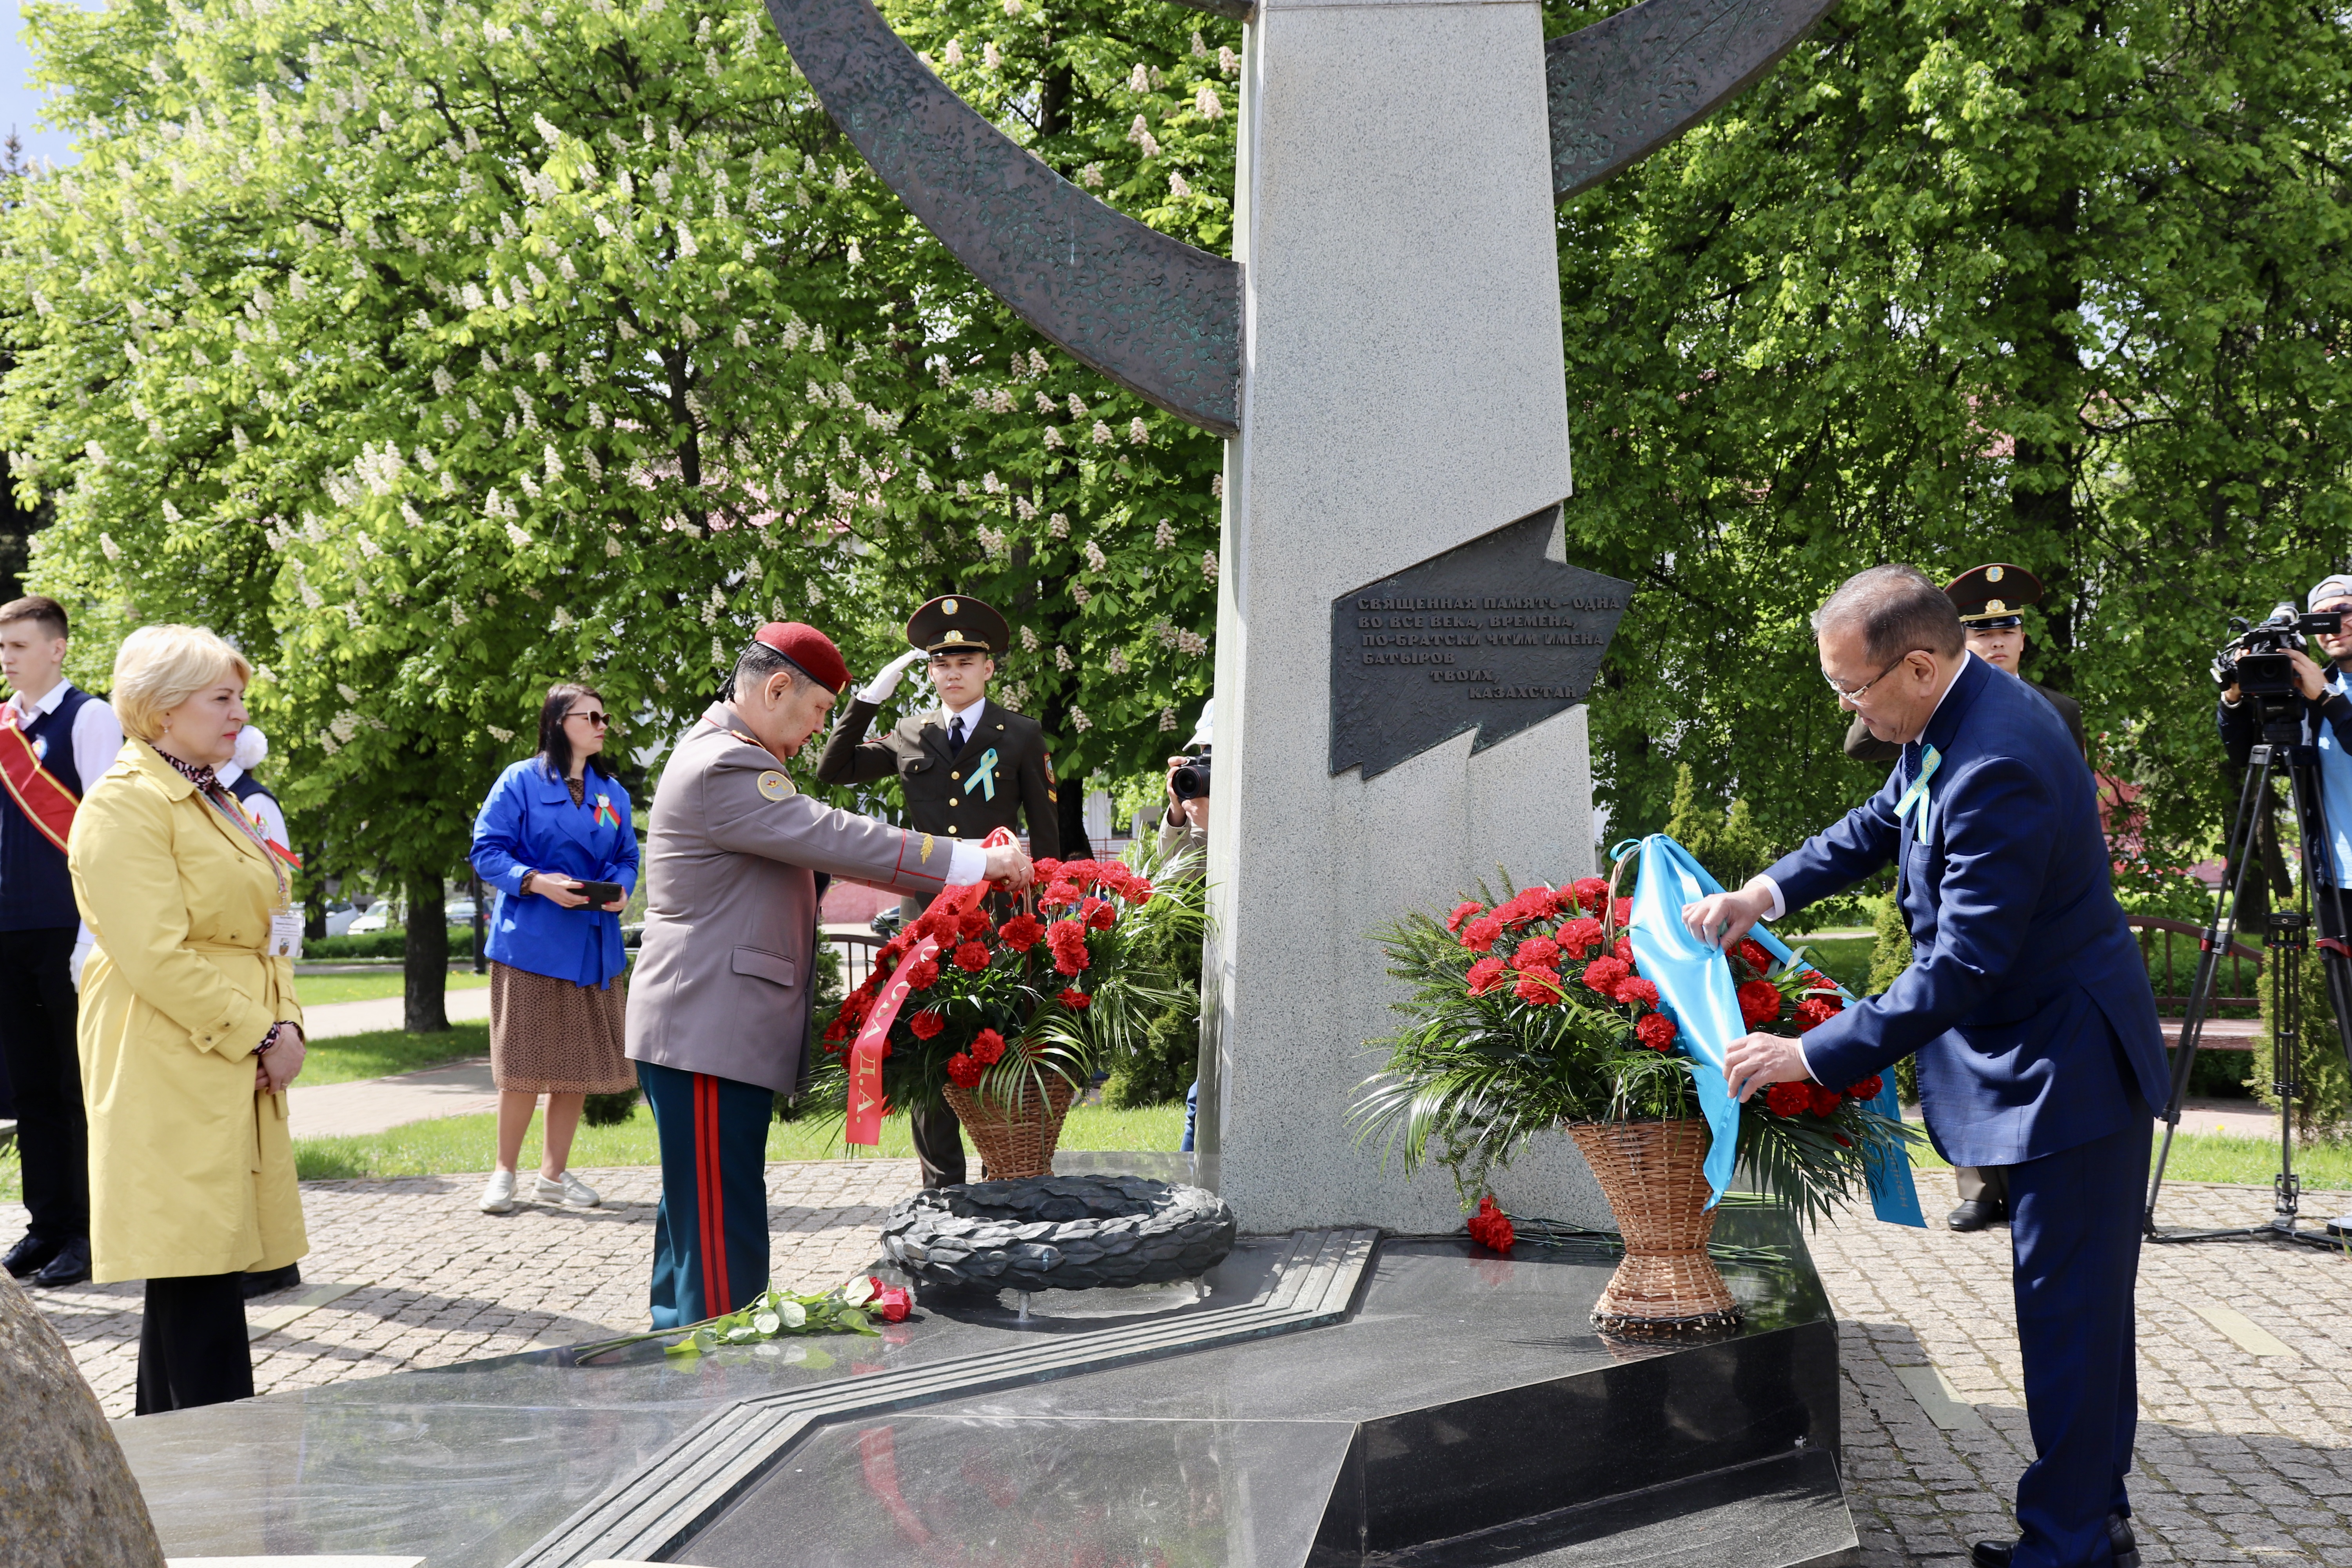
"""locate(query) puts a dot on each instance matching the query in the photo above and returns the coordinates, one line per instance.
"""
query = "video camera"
(2255, 660)
(1191, 782)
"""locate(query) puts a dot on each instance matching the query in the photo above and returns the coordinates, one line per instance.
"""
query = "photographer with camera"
(1184, 827)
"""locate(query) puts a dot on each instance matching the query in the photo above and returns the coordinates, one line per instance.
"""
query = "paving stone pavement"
(2243, 1459)
(450, 1283)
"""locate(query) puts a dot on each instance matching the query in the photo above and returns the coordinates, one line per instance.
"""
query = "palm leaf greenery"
(1526, 1014)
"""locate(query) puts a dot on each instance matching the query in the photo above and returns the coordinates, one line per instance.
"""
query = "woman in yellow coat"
(189, 1029)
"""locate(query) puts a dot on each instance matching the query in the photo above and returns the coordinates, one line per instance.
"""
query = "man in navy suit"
(2027, 1005)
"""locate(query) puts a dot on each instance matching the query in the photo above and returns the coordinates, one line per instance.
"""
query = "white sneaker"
(569, 1189)
(498, 1192)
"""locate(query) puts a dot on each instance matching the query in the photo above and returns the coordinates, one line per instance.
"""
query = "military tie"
(955, 733)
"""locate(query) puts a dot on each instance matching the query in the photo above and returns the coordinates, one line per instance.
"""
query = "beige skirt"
(550, 1037)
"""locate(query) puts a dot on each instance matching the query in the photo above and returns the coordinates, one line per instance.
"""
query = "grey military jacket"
(722, 981)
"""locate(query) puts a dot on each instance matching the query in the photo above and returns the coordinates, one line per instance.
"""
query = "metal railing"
(2242, 966)
(857, 950)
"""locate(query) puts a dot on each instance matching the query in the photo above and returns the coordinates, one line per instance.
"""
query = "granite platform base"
(1335, 1399)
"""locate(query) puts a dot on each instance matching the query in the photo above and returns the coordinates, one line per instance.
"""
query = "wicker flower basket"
(1651, 1172)
(1017, 1140)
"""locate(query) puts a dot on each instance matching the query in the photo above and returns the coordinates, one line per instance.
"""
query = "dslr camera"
(1191, 782)
(2254, 660)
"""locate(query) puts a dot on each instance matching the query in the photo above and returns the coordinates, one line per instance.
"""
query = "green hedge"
(392, 943)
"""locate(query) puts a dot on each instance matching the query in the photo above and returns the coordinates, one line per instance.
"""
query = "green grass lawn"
(383, 1051)
(463, 1143)
(2215, 1157)
(323, 990)
(1844, 959)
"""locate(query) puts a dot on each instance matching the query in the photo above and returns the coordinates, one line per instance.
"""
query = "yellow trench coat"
(191, 1170)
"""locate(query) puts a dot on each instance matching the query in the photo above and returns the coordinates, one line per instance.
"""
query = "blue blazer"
(528, 823)
(2027, 1001)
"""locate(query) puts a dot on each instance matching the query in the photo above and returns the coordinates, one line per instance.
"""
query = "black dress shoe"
(2123, 1547)
(1977, 1213)
(70, 1266)
(261, 1282)
(26, 1256)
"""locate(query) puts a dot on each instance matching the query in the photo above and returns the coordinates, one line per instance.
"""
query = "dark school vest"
(36, 892)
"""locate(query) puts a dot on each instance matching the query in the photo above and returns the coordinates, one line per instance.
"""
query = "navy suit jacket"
(2027, 1001)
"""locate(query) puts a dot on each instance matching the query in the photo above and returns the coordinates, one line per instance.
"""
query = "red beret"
(808, 647)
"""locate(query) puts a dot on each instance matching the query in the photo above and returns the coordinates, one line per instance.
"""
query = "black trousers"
(192, 1345)
(37, 1035)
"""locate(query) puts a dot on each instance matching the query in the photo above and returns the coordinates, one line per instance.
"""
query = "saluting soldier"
(966, 768)
(719, 1011)
(1990, 600)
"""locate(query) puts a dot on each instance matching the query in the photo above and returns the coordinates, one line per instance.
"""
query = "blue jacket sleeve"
(1996, 824)
(498, 853)
(1837, 858)
(623, 868)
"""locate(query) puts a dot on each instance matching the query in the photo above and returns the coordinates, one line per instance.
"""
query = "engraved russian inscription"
(1493, 635)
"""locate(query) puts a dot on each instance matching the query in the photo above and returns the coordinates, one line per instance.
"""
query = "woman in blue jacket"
(551, 824)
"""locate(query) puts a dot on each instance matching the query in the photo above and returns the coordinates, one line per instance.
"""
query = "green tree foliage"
(2323, 1103)
(2059, 284)
(1723, 840)
(436, 352)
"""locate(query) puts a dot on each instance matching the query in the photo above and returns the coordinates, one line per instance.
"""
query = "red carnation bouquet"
(1019, 988)
(1530, 1013)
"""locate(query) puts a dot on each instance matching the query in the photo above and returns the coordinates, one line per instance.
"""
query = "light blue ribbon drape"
(1694, 988)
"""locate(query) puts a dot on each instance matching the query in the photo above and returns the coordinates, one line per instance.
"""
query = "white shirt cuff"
(1808, 1061)
(1779, 905)
(967, 864)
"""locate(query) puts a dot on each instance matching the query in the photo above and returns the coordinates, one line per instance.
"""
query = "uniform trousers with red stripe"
(710, 1233)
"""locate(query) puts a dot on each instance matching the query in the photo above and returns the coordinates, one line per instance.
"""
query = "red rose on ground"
(1536, 953)
(1579, 936)
(1605, 975)
(1655, 1030)
(1752, 952)
(1479, 934)
(1462, 912)
(1813, 1011)
(1022, 932)
(1638, 993)
(1540, 987)
(1591, 891)
(1100, 915)
(1486, 974)
(1868, 1089)
(987, 1047)
(891, 1303)
(1490, 1227)
(1825, 1100)
(970, 957)
(963, 1072)
(1075, 1000)
(927, 1023)
(1788, 1098)
(1759, 1003)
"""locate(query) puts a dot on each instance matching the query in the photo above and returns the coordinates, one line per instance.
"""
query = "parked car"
(460, 911)
(340, 917)
(375, 920)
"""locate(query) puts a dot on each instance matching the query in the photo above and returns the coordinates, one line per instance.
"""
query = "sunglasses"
(598, 719)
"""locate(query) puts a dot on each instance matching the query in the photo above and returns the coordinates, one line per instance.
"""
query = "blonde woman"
(189, 1029)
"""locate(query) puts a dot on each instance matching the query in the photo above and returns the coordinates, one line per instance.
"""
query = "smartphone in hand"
(599, 894)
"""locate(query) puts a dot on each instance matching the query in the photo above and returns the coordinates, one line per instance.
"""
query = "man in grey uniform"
(719, 1007)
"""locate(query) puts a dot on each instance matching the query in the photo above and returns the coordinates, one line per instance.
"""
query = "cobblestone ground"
(2243, 1459)
(448, 1283)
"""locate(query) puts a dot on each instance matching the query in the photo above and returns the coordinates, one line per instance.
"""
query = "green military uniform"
(1001, 772)
(1989, 598)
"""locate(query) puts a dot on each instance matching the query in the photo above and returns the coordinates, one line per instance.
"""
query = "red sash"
(45, 802)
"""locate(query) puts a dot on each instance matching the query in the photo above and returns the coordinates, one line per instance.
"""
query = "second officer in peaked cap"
(966, 768)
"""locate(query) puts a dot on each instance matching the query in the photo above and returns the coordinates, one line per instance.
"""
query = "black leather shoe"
(70, 1266)
(2123, 1547)
(26, 1256)
(1977, 1213)
(261, 1282)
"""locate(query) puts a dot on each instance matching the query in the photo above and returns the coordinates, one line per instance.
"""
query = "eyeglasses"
(598, 719)
(1857, 693)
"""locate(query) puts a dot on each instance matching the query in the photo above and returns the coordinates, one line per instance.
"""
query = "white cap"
(1203, 732)
(2334, 586)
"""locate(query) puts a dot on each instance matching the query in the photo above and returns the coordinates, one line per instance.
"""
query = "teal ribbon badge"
(983, 777)
(1930, 759)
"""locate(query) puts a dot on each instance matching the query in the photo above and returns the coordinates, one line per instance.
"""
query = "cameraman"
(1184, 828)
(2326, 697)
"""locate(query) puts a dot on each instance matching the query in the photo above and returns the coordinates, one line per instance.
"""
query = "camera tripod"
(2286, 935)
